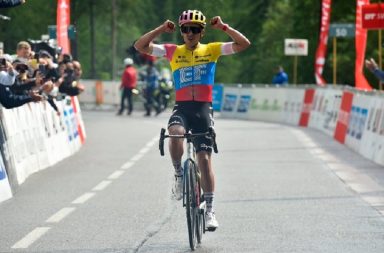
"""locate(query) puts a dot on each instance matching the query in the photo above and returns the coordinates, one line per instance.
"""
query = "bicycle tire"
(190, 203)
(199, 212)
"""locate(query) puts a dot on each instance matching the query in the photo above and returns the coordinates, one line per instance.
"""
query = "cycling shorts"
(197, 117)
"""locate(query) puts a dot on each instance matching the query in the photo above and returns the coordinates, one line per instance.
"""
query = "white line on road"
(102, 185)
(136, 157)
(84, 198)
(116, 174)
(38, 232)
(60, 215)
(127, 165)
(144, 150)
(30, 238)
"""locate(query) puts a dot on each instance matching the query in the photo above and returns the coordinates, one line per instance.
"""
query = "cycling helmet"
(128, 61)
(192, 16)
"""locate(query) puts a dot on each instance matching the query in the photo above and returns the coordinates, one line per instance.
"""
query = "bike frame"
(192, 200)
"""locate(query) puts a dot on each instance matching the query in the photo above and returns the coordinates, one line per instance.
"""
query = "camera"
(67, 58)
(21, 68)
(42, 70)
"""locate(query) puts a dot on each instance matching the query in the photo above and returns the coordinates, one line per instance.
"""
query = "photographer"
(68, 82)
(8, 98)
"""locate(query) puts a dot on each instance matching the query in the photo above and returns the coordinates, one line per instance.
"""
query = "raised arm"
(145, 43)
(240, 42)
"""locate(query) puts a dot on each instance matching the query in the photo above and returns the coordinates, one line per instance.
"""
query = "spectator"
(280, 78)
(23, 50)
(128, 84)
(374, 68)
(11, 3)
(8, 98)
(68, 82)
(152, 84)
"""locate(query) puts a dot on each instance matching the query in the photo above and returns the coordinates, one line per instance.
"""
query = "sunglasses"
(193, 29)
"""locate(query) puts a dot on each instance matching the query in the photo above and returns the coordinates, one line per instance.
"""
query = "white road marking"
(136, 157)
(144, 150)
(102, 185)
(38, 232)
(60, 215)
(116, 174)
(374, 200)
(84, 198)
(127, 165)
(30, 238)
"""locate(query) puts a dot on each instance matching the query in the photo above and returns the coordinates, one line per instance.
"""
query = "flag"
(62, 24)
(323, 40)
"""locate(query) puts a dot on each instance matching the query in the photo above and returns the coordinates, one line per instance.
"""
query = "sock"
(208, 196)
(178, 168)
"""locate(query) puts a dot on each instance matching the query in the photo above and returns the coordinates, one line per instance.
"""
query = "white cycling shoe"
(177, 189)
(210, 221)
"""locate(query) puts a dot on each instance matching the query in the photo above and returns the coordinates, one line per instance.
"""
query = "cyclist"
(193, 66)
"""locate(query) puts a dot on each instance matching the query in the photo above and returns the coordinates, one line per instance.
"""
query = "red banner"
(62, 23)
(323, 40)
(373, 16)
(307, 106)
(361, 41)
(343, 116)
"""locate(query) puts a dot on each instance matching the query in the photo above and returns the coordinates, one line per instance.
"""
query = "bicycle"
(193, 199)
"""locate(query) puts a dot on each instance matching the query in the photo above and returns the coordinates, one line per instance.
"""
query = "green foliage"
(266, 23)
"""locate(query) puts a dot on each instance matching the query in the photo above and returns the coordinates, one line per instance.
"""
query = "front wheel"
(190, 202)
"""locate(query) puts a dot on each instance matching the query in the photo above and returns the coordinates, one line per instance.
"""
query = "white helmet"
(128, 61)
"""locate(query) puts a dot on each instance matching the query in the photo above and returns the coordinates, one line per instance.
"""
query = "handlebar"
(189, 136)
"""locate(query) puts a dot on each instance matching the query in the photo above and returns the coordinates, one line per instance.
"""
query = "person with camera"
(68, 81)
(8, 98)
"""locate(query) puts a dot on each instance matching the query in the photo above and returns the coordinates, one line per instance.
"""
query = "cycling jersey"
(193, 71)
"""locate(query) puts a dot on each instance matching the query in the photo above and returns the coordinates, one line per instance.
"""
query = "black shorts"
(197, 117)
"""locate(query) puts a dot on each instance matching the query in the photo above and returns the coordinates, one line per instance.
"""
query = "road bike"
(193, 197)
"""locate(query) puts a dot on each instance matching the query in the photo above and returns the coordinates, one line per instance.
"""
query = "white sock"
(208, 197)
(178, 168)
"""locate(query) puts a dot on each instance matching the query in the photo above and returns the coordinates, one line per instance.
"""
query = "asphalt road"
(279, 189)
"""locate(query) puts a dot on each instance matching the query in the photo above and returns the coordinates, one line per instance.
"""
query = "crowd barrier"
(34, 137)
(353, 118)
(106, 93)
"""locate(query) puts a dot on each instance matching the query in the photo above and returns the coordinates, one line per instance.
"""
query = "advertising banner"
(371, 140)
(267, 104)
(297, 47)
(306, 110)
(5, 188)
(293, 105)
(357, 121)
(323, 41)
(230, 100)
(343, 117)
(217, 96)
(360, 42)
(62, 23)
(373, 16)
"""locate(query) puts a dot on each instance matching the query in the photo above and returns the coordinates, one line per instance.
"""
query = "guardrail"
(353, 118)
(34, 137)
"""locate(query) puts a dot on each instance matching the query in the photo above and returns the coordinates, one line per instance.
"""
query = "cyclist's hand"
(217, 23)
(169, 26)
